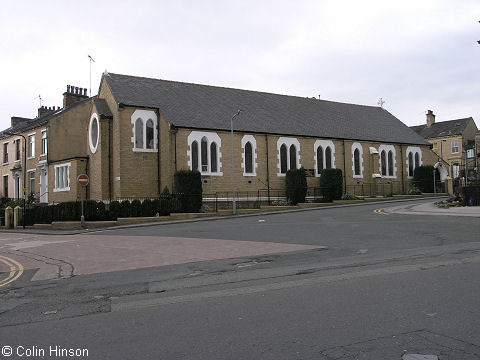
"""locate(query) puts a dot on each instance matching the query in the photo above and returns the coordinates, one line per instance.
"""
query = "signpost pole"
(83, 181)
(82, 218)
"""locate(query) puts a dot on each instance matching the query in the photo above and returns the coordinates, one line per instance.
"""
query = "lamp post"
(234, 204)
(24, 171)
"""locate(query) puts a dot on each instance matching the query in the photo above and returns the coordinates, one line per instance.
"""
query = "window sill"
(145, 150)
(249, 174)
(211, 174)
(31, 157)
(43, 154)
(358, 176)
(5, 163)
(62, 189)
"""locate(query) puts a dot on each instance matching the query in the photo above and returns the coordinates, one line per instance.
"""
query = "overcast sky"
(416, 55)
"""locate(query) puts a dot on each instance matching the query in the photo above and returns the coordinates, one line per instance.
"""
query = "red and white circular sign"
(83, 179)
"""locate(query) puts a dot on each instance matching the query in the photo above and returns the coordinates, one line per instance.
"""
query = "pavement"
(432, 209)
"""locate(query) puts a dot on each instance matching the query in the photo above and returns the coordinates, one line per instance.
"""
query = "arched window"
(390, 163)
(417, 160)
(293, 157)
(194, 155)
(356, 162)
(383, 161)
(328, 158)
(213, 157)
(319, 160)
(139, 134)
(204, 153)
(410, 164)
(283, 159)
(248, 158)
(149, 134)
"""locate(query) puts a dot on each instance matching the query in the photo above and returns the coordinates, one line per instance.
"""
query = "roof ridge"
(245, 90)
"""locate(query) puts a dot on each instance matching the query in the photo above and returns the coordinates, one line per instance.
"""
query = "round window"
(94, 130)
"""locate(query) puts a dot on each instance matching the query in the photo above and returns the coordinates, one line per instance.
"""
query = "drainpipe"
(159, 185)
(110, 159)
(268, 172)
(344, 170)
(403, 170)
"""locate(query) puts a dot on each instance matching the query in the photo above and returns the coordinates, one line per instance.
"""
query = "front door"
(44, 185)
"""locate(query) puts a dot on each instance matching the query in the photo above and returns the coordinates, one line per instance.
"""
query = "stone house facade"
(133, 136)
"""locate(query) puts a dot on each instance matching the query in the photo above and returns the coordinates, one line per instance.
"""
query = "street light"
(24, 171)
(234, 204)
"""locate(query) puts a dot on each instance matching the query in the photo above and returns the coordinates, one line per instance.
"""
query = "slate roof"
(443, 128)
(102, 107)
(209, 107)
(28, 124)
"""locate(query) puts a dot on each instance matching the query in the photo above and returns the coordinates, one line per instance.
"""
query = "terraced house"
(133, 136)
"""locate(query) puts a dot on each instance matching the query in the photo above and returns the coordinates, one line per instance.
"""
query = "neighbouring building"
(453, 141)
(133, 136)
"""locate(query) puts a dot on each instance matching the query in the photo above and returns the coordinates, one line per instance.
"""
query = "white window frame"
(253, 142)
(62, 177)
(15, 149)
(31, 146)
(455, 170)
(455, 142)
(93, 147)
(413, 150)
(211, 137)
(288, 142)
(144, 116)
(324, 144)
(357, 146)
(44, 148)
(5, 180)
(387, 148)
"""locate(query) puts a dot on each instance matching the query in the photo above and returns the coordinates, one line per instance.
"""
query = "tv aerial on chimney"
(381, 102)
(40, 99)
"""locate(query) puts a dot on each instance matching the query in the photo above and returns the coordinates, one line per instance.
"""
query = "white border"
(253, 142)
(93, 148)
(414, 150)
(358, 146)
(324, 144)
(211, 137)
(288, 142)
(65, 188)
(144, 115)
(387, 148)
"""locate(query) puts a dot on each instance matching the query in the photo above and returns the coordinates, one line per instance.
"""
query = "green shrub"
(187, 185)
(114, 210)
(331, 182)
(296, 185)
(136, 208)
(147, 208)
(423, 178)
(348, 196)
(414, 191)
(125, 207)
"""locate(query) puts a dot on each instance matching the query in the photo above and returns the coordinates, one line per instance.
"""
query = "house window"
(324, 151)
(319, 160)
(357, 160)
(390, 163)
(387, 161)
(17, 150)
(144, 137)
(31, 182)
(44, 142)
(93, 130)
(209, 154)
(139, 134)
(5, 153)
(288, 155)
(283, 159)
(454, 146)
(195, 155)
(16, 186)
(383, 160)
(204, 151)
(293, 157)
(455, 170)
(5, 186)
(31, 145)
(410, 164)
(249, 156)
(213, 157)
(62, 177)
(414, 159)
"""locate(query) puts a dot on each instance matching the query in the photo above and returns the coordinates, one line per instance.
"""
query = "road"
(388, 285)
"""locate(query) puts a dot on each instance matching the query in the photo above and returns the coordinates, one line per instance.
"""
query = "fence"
(374, 189)
(471, 194)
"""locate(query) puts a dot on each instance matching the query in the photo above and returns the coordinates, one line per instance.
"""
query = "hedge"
(423, 178)
(296, 185)
(187, 184)
(331, 182)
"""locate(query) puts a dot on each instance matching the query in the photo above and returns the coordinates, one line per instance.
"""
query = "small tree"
(187, 185)
(296, 185)
(331, 182)
(423, 178)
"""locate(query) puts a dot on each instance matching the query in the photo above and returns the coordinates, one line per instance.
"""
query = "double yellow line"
(16, 270)
(380, 212)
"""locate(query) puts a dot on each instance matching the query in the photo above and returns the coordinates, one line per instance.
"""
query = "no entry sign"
(83, 179)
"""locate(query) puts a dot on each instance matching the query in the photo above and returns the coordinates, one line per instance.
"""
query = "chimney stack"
(45, 110)
(74, 94)
(430, 118)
